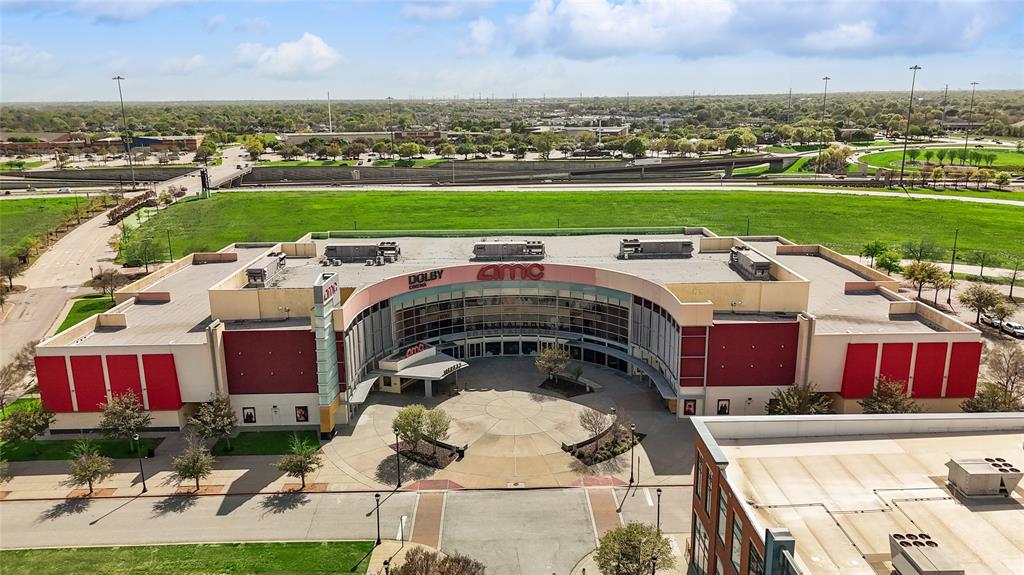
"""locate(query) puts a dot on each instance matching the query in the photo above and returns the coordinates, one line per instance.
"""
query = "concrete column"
(428, 386)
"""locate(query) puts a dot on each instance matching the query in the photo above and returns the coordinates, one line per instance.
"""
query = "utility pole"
(391, 130)
(910, 110)
(945, 105)
(330, 120)
(790, 120)
(970, 119)
(128, 134)
(821, 128)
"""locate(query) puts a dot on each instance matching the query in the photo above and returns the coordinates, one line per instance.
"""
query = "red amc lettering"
(498, 272)
(330, 290)
(415, 349)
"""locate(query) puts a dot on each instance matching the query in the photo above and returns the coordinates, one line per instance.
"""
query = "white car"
(1013, 328)
(990, 320)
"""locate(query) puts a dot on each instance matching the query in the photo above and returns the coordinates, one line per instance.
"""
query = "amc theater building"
(299, 333)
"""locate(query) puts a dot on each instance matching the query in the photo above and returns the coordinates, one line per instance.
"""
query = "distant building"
(573, 131)
(47, 142)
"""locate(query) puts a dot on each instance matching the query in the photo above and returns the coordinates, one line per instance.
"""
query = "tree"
(420, 561)
(1004, 363)
(408, 149)
(88, 466)
(255, 148)
(733, 141)
(545, 142)
(593, 422)
(635, 146)
(124, 417)
(446, 150)
(1002, 178)
(980, 298)
(873, 249)
(10, 378)
(334, 150)
(982, 258)
(409, 424)
(921, 274)
(10, 268)
(26, 425)
(628, 550)
(144, 251)
(800, 399)
(289, 152)
(890, 262)
(938, 174)
(303, 458)
(913, 153)
(215, 419)
(436, 424)
(921, 250)
(108, 281)
(928, 155)
(195, 463)
(889, 396)
(552, 360)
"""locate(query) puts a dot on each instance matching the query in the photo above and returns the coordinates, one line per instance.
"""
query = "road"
(512, 532)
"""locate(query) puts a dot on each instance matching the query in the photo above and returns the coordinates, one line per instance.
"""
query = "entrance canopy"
(433, 368)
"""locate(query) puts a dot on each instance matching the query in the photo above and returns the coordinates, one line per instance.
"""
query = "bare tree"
(108, 281)
(593, 422)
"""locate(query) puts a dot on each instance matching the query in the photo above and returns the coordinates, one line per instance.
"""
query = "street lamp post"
(142, 472)
(127, 133)
(632, 442)
(654, 564)
(970, 119)
(387, 567)
(376, 498)
(398, 462)
(658, 520)
(910, 111)
(391, 129)
(821, 127)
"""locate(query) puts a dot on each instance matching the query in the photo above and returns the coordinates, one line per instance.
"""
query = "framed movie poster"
(301, 413)
(248, 415)
(689, 407)
(723, 407)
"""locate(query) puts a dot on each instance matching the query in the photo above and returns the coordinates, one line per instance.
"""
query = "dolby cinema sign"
(421, 279)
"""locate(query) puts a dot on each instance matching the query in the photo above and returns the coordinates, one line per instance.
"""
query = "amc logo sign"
(330, 290)
(498, 272)
(415, 349)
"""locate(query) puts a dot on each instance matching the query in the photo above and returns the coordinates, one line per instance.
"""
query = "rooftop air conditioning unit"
(983, 477)
(919, 554)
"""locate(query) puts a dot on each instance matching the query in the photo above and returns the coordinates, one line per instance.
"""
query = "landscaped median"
(84, 307)
(314, 557)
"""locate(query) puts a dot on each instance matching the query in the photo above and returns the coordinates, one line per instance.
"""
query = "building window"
(755, 564)
(707, 490)
(737, 541)
(698, 486)
(723, 513)
(700, 547)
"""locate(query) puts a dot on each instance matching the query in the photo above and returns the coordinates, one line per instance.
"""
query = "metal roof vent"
(919, 554)
(983, 477)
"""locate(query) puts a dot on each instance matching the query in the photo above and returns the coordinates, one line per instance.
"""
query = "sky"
(68, 50)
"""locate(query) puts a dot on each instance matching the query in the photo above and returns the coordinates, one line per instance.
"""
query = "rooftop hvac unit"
(508, 250)
(919, 554)
(750, 264)
(983, 477)
(352, 253)
(261, 272)
(636, 248)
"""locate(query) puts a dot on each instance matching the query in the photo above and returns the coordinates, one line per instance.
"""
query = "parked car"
(1013, 328)
(64, 190)
(990, 320)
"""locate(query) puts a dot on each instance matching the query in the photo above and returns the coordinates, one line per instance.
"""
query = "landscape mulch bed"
(424, 455)
(97, 492)
(310, 488)
(564, 387)
(203, 490)
(605, 451)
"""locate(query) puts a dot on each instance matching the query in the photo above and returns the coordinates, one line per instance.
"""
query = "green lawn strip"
(415, 163)
(17, 165)
(57, 449)
(23, 219)
(797, 165)
(86, 306)
(839, 220)
(1004, 159)
(968, 193)
(262, 442)
(18, 405)
(292, 163)
(303, 558)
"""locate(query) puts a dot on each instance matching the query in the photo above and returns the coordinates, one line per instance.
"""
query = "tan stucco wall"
(284, 302)
(299, 249)
(937, 405)
(69, 421)
(748, 296)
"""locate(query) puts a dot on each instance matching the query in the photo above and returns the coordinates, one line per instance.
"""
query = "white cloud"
(253, 25)
(214, 22)
(181, 66)
(305, 57)
(843, 36)
(25, 59)
(433, 10)
(483, 35)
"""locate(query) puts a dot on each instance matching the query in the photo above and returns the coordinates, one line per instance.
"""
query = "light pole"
(398, 462)
(376, 498)
(632, 442)
(654, 564)
(142, 472)
(910, 111)
(970, 119)
(658, 520)
(391, 129)
(127, 133)
(821, 127)
(387, 567)
(952, 260)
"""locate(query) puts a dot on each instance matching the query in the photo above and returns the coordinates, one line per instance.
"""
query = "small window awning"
(433, 368)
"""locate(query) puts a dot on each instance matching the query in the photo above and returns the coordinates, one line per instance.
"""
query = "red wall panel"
(693, 346)
(123, 374)
(691, 367)
(693, 330)
(896, 361)
(161, 381)
(691, 382)
(90, 390)
(928, 369)
(270, 361)
(964, 361)
(859, 372)
(757, 353)
(54, 387)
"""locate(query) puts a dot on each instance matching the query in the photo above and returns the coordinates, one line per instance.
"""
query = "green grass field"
(842, 221)
(85, 306)
(291, 163)
(306, 558)
(29, 218)
(58, 449)
(1006, 159)
(15, 165)
(415, 163)
(18, 405)
(968, 193)
(262, 442)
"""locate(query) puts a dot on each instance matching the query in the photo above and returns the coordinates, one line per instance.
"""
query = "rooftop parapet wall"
(878, 278)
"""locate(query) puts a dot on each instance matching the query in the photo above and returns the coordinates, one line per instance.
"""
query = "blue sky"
(187, 50)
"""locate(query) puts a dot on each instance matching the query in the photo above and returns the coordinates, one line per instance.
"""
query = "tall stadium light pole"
(821, 127)
(127, 133)
(970, 119)
(910, 111)
(391, 129)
